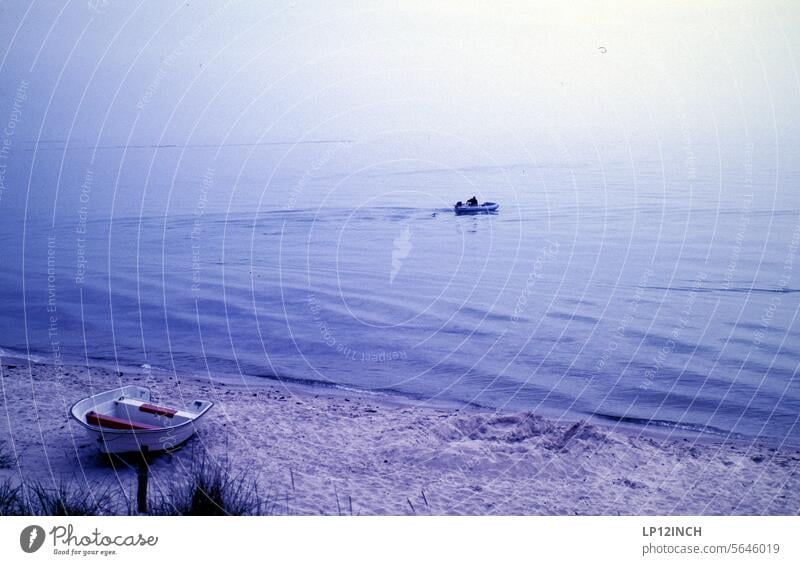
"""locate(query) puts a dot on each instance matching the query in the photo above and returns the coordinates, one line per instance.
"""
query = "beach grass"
(211, 488)
(11, 500)
(65, 499)
(208, 487)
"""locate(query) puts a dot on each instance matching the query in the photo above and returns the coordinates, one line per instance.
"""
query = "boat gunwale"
(107, 431)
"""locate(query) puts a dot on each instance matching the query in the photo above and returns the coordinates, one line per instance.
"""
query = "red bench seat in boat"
(158, 410)
(114, 423)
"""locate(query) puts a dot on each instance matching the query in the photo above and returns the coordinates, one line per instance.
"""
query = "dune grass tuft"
(208, 488)
(211, 488)
(11, 501)
(63, 499)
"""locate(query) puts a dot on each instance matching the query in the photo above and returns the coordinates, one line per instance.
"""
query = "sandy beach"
(320, 452)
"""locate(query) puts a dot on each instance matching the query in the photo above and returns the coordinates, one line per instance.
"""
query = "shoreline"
(303, 387)
(313, 448)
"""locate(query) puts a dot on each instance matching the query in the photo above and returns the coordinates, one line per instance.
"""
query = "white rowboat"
(123, 420)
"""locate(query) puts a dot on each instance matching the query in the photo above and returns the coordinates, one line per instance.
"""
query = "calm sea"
(647, 289)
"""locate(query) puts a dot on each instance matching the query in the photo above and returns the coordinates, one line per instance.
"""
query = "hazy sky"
(352, 69)
(502, 77)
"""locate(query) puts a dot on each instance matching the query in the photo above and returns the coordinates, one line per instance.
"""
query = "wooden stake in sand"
(142, 475)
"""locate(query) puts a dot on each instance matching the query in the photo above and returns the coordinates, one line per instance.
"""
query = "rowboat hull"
(124, 420)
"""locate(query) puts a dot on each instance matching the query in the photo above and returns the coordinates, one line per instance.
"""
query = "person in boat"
(472, 201)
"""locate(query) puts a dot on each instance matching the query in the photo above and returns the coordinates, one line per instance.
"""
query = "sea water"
(655, 289)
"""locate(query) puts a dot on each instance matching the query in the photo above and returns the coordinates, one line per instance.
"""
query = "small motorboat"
(485, 208)
(124, 420)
